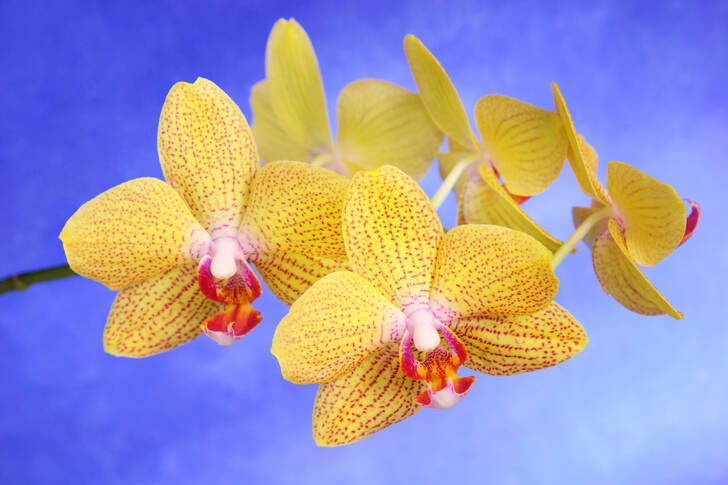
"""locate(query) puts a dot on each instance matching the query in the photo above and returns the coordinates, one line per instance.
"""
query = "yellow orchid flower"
(522, 144)
(379, 122)
(180, 251)
(479, 296)
(635, 220)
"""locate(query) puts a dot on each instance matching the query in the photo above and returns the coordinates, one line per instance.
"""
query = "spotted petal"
(376, 394)
(158, 314)
(295, 207)
(335, 325)
(438, 93)
(485, 201)
(504, 346)
(274, 143)
(620, 276)
(132, 232)
(207, 153)
(491, 270)
(525, 143)
(381, 123)
(289, 274)
(391, 233)
(654, 215)
(296, 92)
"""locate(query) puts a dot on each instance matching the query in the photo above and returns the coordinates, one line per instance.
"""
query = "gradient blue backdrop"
(81, 88)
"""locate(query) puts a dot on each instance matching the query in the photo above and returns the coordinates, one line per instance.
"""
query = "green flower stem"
(450, 180)
(579, 234)
(322, 158)
(24, 280)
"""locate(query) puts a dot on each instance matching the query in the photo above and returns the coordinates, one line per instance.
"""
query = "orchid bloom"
(635, 220)
(522, 144)
(379, 122)
(180, 251)
(388, 337)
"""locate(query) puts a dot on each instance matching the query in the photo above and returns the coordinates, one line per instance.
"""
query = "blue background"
(81, 88)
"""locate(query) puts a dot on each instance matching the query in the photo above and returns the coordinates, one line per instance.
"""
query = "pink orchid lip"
(240, 288)
(448, 396)
(234, 323)
(444, 387)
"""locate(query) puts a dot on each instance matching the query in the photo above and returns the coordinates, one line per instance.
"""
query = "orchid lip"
(439, 369)
(448, 396)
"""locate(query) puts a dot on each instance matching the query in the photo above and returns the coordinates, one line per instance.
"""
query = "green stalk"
(450, 180)
(579, 234)
(24, 280)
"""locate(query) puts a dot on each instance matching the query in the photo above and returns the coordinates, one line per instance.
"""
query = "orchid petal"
(438, 93)
(491, 270)
(274, 143)
(381, 123)
(332, 327)
(376, 394)
(295, 207)
(654, 215)
(581, 155)
(207, 153)
(620, 276)
(525, 143)
(391, 233)
(132, 232)
(503, 346)
(158, 314)
(486, 201)
(288, 275)
(460, 216)
(295, 90)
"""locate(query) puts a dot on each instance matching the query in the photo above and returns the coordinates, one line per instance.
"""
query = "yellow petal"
(485, 201)
(438, 94)
(525, 143)
(295, 207)
(131, 232)
(333, 327)
(295, 88)
(460, 218)
(491, 270)
(158, 314)
(580, 214)
(504, 346)
(391, 233)
(620, 276)
(207, 153)
(376, 394)
(272, 140)
(581, 155)
(288, 275)
(381, 123)
(654, 215)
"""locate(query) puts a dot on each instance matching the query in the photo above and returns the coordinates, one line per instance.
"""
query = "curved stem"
(450, 180)
(322, 158)
(24, 280)
(579, 234)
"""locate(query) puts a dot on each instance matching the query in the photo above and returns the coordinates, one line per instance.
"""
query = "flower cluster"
(386, 305)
